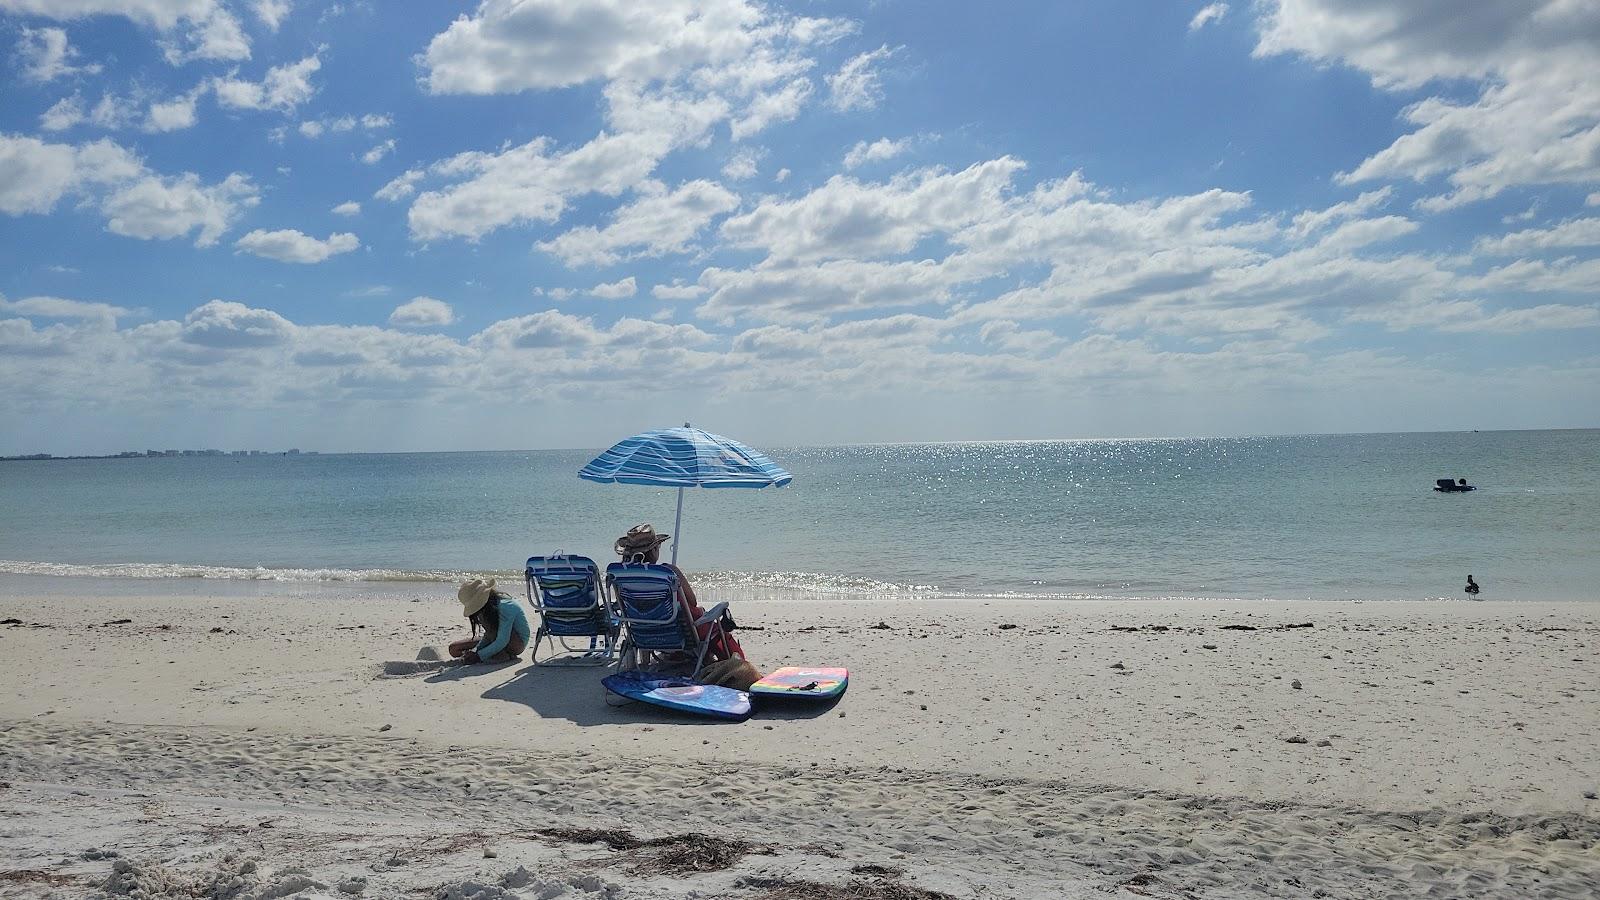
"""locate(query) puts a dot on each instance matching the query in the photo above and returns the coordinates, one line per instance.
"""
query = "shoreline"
(68, 579)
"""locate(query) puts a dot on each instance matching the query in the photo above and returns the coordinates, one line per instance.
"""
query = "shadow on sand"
(575, 694)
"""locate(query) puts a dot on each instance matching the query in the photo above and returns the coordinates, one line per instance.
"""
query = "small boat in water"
(1452, 486)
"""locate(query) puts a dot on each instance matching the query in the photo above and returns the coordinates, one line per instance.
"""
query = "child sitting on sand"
(505, 626)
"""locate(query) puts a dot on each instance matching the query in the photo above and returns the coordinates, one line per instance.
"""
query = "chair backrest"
(569, 595)
(648, 602)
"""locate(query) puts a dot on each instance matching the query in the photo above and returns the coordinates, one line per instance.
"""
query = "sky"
(553, 223)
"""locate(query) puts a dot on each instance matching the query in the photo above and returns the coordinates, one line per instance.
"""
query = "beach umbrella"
(684, 458)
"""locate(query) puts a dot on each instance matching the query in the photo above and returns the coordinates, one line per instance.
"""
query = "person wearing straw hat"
(505, 626)
(643, 545)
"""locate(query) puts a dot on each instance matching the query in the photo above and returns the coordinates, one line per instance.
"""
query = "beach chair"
(569, 597)
(657, 622)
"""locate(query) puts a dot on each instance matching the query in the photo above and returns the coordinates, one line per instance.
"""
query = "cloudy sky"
(550, 223)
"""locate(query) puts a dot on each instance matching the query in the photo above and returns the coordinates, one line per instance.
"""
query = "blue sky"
(505, 225)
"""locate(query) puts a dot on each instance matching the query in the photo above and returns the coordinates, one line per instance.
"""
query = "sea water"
(1306, 517)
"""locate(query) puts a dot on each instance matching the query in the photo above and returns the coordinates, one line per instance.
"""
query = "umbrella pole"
(677, 527)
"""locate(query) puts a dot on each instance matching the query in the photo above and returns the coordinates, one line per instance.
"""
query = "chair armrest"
(712, 614)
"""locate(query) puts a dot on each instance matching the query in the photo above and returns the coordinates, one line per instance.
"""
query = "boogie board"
(680, 694)
(802, 682)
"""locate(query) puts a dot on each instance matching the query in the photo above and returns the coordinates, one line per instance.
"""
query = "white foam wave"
(229, 573)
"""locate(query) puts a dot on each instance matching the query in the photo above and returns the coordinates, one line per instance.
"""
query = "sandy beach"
(221, 743)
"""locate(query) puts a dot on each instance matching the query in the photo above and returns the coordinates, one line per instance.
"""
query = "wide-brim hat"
(639, 539)
(474, 595)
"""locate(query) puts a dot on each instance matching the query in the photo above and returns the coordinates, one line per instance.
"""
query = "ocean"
(1316, 517)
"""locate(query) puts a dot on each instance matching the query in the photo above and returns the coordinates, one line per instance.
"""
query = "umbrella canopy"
(683, 458)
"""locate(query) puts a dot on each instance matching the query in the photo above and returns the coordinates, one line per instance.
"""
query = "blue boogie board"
(680, 694)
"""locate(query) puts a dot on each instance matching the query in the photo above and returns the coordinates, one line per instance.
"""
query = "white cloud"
(45, 55)
(114, 112)
(1571, 233)
(218, 35)
(677, 291)
(616, 290)
(1536, 117)
(175, 114)
(271, 13)
(400, 187)
(1207, 15)
(742, 164)
(63, 114)
(658, 223)
(1471, 316)
(291, 246)
(284, 87)
(781, 105)
(847, 218)
(34, 175)
(158, 207)
(857, 84)
(781, 176)
(508, 46)
(877, 151)
(62, 308)
(376, 154)
(422, 312)
(227, 325)
(528, 183)
(194, 29)
(347, 208)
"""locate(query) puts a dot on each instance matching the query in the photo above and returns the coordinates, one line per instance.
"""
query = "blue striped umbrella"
(683, 458)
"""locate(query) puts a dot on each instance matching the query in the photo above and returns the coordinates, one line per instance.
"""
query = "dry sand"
(245, 746)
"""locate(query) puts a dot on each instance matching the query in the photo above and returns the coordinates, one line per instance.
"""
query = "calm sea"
(1312, 517)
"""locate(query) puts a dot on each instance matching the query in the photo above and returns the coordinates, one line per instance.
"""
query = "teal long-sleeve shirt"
(512, 621)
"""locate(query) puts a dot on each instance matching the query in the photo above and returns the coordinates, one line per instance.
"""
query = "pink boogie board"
(803, 682)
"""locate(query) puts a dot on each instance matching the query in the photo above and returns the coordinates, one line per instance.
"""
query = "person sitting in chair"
(505, 626)
(642, 545)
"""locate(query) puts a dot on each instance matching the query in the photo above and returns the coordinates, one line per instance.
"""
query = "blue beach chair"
(571, 601)
(656, 619)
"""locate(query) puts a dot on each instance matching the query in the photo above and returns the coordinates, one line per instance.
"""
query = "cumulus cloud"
(400, 187)
(742, 164)
(63, 114)
(1571, 233)
(34, 175)
(1536, 116)
(377, 153)
(44, 54)
(422, 312)
(857, 84)
(291, 246)
(227, 325)
(526, 183)
(1207, 15)
(877, 151)
(656, 224)
(283, 88)
(616, 290)
(271, 13)
(677, 291)
(191, 29)
(347, 208)
(175, 114)
(163, 207)
(63, 308)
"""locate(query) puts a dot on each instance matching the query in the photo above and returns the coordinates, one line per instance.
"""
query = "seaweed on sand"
(677, 854)
(878, 888)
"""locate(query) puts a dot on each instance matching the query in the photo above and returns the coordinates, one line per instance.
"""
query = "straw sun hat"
(474, 595)
(639, 539)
